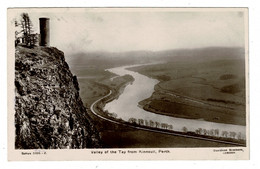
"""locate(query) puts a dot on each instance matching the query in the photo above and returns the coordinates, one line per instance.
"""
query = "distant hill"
(113, 59)
(110, 59)
(203, 54)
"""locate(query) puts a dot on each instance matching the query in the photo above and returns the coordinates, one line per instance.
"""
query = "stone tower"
(44, 32)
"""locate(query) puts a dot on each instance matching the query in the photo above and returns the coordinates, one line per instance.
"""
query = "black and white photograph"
(114, 83)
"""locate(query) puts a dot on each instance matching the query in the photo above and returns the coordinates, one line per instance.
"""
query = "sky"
(120, 30)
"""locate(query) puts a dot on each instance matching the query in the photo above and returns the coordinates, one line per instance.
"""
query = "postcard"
(128, 84)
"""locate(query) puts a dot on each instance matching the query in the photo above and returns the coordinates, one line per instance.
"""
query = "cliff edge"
(49, 113)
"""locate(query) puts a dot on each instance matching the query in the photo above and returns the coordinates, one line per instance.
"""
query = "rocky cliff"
(49, 113)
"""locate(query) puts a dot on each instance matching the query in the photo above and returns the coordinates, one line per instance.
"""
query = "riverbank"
(116, 91)
(127, 108)
(95, 108)
(194, 91)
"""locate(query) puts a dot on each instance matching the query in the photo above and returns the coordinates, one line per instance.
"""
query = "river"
(126, 106)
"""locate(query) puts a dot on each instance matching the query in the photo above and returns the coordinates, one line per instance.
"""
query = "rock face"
(49, 113)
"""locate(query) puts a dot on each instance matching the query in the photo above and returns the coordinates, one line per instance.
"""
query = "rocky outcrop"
(49, 113)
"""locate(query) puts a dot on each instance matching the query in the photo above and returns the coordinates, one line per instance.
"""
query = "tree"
(239, 136)
(224, 133)
(199, 131)
(232, 134)
(132, 120)
(151, 123)
(184, 129)
(27, 29)
(164, 125)
(157, 124)
(170, 127)
(216, 132)
(140, 121)
(211, 132)
(205, 131)
(146, 123)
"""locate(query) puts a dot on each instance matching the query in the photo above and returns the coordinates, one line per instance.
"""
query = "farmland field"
(212, 91)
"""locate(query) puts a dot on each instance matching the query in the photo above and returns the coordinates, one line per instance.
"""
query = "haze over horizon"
(89, 30)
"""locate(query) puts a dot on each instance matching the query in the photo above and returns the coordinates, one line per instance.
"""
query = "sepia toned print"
(128, 83)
